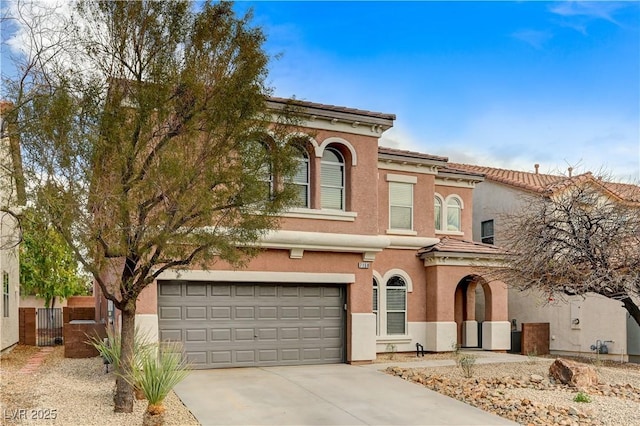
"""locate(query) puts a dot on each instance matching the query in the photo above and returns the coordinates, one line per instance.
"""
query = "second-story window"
(332, 180)
(400, 205)
(301, 179)
(454, 207)
(486, 231)
(447, 213)
(437, 212)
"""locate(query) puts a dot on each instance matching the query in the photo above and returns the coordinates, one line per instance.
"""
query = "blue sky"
(504, 84)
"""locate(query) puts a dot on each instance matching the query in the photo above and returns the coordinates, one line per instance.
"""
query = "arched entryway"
(472, 304)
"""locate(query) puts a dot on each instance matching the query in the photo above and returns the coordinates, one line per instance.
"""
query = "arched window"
(376, 298)
(301, 178)
(437, 212)
(454, 207)
(332, 180)
(396, 292)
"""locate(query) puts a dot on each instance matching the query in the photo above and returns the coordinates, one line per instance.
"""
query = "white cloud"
(534, 38)
(555, 139)
(596, 10)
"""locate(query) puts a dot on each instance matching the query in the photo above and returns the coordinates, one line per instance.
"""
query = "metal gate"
(49, 330)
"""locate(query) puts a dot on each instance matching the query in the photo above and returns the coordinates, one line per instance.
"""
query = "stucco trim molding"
(321, 214)
(257, 276)
(367, 245)
(461, 259)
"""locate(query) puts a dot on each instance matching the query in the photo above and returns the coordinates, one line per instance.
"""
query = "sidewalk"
(483, 357)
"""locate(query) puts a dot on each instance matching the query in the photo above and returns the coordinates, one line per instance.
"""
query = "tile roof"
(410, 154)
(536, 182)
(333, 108)
(453, 245)
(540, 182)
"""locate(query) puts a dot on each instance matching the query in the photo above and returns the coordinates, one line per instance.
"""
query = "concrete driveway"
(337, 394)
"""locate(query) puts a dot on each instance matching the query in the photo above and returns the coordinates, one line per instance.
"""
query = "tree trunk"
(632, 308)
(123, 398)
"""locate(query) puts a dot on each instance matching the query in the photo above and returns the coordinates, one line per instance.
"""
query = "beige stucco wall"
(9, 257)
(602, 318)
(599, 318)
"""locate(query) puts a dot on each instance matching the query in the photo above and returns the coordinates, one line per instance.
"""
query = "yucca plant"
(109, 349)
(159, 371)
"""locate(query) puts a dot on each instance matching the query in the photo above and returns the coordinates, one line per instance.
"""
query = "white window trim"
(336, 140)
(382, 306)
(402, 231)
(344, 180)
(449, 198)
(306, 159)
(322, 214)
(391, 177)
(444, 202)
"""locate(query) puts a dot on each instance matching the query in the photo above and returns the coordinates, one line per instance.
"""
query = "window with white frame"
(5, 294)
(396, 305)
(400, 205)
(447, 213)
(376, 298)
(301, 179)
(454, 207)
(486, 231)
(332, 179)
(437, 212)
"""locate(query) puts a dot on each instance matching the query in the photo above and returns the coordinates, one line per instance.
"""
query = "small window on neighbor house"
(400, 205)
(454, 207)
(486, 231)
(5, 294)
(375, 305)
(396, 292)
(332, 180)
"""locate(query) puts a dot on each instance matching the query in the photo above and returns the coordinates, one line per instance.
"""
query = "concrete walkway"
(337, 394)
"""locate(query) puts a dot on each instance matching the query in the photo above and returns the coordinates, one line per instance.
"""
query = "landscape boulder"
(573, 373)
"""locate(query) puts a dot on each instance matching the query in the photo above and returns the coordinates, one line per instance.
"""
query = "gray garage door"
(248, 324)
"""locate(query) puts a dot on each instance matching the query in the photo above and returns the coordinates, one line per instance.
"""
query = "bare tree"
(581, 237)
(147, 143)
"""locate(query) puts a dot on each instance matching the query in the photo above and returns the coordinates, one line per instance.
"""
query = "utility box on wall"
(535, 338)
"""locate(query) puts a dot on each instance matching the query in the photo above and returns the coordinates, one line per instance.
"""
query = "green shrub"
(582, 397)
(466, 363)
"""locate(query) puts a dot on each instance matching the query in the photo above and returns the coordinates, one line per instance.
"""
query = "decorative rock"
(573, 373)
(536, 378)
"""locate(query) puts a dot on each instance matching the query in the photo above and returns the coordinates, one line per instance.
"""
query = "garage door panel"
(196, 335)
(244, 290)
(250, 324)
(199, 289)
(195, 312)
(221, 312)
(170, 312)
(221, 335)
(197, 359)
(173, 335)
(267, 312)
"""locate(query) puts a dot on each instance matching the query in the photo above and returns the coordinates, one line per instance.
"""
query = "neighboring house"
(9, 266)
(376, 258)
(576, 322)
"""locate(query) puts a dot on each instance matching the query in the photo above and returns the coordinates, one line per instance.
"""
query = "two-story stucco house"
(9, 266)
(576, 324)
(377, 257)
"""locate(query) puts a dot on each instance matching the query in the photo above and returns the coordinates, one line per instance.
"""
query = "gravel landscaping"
(80, 393)
(68, 391)
(524, 392)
